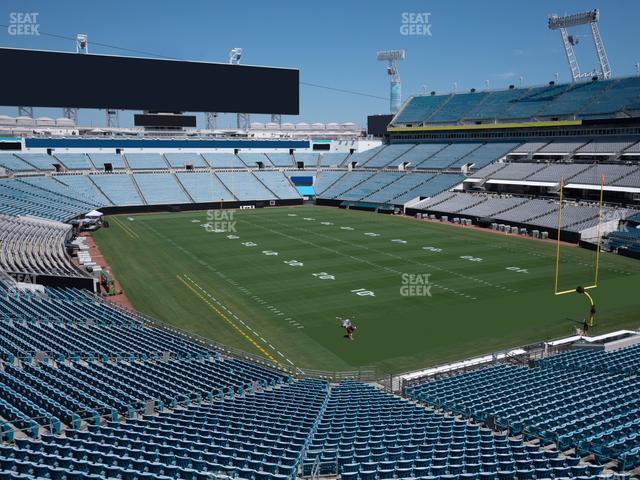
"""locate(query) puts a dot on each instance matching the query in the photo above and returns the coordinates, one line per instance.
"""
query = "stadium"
(200, 281)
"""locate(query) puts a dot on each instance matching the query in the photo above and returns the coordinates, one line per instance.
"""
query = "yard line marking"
(389, 254)
(230, 312)
(357, 259)
(127, 230)
(229, 321)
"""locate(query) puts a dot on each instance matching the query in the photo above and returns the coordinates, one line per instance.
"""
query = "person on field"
(350, 330)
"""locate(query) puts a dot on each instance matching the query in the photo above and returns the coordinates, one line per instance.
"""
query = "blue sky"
(333, 42)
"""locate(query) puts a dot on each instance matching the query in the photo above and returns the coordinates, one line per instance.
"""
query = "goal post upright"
(581, 289)
(599, 241)
(558, 241)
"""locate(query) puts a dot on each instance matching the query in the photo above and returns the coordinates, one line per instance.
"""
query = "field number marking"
(517, 269)
(470, 258)
(324, 276)
(293, 263)
(363, 293)
(432, 249)
(270, 253)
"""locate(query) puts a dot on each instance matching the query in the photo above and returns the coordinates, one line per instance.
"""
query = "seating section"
(361, 158)
(100, 160)
(330, 159)
(572, 173)
(210, 413)
(377, 182)
(33, 245)
(626, 239)
(487, 153)
(521, 210)
(160, 188)
(252, 159)
(74, 161)
(386, 155)
(19, 197)
(555, 173)
(41, 161)
(181, 160)
(277, 183)
(118, 188)
(62, 191)
(420, 153)
(397, 187)
(431, 187)
(451, 202)
(447, 157)
(245, 186)
(345, 183)
(257, 436)
(15, 164)
(419, 108)
(588, 99)
(605, 147)
(148, 161)
(457, 107)
(83, 185)
(515, 171)
(529, 147)
(325, 179)
(311, 159)
(365, 433)
(561, 147)
(282, 159)
(204, 187)
(494, 205)
(576, 400)
(613, 100)
(223, 160)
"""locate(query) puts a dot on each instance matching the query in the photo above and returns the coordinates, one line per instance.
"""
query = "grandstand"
(591, 100)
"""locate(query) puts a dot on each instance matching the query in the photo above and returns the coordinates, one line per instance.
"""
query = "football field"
(275, 281)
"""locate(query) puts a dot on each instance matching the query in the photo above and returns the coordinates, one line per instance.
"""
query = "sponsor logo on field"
(415, 285)
(220, 221)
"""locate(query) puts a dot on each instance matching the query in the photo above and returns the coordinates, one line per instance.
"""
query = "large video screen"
(54, 79)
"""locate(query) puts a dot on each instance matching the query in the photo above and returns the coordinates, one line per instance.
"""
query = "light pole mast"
(395, 95)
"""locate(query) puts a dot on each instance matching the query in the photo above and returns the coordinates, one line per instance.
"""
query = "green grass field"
(277, 289)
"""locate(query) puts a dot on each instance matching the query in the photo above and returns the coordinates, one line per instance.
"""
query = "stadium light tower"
(569, 41)
(82, 47)
(391, 57)
(235, 54)
(211, 118)
(82, 43)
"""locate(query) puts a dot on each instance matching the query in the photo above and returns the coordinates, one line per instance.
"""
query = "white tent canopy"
(94, 214)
